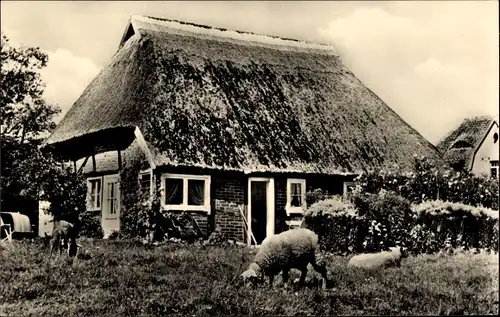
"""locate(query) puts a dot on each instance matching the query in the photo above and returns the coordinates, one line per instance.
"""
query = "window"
(494, 169)
(145, 183)
(94, 187)
(186, 192)
(295, 195)
(111, 198)
(349, 187)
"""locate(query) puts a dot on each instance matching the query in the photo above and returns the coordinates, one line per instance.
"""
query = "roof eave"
(124, 38)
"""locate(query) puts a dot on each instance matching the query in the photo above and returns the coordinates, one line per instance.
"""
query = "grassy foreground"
(122, 278)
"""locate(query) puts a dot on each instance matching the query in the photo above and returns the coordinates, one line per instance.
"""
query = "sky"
(434, 63)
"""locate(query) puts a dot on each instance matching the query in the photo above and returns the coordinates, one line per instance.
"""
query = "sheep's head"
(400, 250)
(253, 274)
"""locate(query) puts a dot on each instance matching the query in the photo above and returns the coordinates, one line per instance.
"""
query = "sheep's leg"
(55, 243)
(285, 276)
(64, 245)
(52, 244)
(321, 269)
(303, 273)
(271, 280)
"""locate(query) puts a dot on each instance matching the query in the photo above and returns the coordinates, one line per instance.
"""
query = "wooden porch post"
(83, 165)
(119, 160)
(93, 162)
(74, 165)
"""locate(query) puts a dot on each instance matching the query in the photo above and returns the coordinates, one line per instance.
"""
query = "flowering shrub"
(388, 217)
(430, 182)
(366, 223)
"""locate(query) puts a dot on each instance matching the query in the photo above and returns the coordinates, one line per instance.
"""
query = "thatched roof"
(459, 146)
(230, 100)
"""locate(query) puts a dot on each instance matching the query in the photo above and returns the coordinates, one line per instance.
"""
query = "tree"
(28, 174)
(24, 114)
(24, 118)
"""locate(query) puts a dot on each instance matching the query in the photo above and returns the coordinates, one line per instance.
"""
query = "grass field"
(126, 279)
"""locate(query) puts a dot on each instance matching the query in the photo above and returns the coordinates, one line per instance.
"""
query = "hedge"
(427, 181)
(367, 222)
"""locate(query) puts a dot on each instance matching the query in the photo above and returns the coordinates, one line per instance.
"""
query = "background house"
(232, 127)
(473, 146)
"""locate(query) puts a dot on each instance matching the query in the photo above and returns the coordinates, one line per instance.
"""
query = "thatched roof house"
(199, 97)
(473, 145)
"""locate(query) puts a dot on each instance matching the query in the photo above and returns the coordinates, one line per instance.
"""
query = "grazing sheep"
(294, 248)
(379, 259)
(62, 235)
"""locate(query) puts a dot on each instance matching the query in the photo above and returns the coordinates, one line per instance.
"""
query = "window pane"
(95, 193)
(296, 189)
(196, 192)
(296, 194)
(145, 183)
(494, 172)
(174, 191)
(296, 201)
(98, 194)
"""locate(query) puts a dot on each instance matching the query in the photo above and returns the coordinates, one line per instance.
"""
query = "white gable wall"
(488, 151)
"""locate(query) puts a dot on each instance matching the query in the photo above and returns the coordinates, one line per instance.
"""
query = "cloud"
(66, 77)
(433, 70)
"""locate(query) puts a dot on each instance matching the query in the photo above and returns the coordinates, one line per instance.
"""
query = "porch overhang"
(114, 139)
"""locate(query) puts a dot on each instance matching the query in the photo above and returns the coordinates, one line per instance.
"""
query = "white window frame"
(289, 208)
(91, 207)
(184, 206)
(151, 183)
(348, 184)
(494, 167)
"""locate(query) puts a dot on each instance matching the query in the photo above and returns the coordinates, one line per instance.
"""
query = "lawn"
(125, 278)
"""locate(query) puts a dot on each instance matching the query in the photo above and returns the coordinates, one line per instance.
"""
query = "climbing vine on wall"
(138, 209)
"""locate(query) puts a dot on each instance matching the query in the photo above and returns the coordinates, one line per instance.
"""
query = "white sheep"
(294, 248)
(379, 259)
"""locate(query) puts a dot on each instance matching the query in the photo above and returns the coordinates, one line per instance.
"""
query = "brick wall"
(202, 221)
(228, 194)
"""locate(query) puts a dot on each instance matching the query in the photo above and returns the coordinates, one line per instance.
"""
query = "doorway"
(111, 204)
(260, 209)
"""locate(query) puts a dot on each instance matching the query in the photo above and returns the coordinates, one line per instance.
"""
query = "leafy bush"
(430, 182)
(441, 225)
(337, 224)
(90, 225)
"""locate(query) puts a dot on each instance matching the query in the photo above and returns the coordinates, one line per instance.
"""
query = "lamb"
(63, 232)
(294, 248)
(379, 259)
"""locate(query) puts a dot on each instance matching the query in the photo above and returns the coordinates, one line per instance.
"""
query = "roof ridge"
(231, 34)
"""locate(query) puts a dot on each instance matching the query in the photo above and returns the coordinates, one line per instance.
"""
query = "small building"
(473, 146)
(230, 126)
